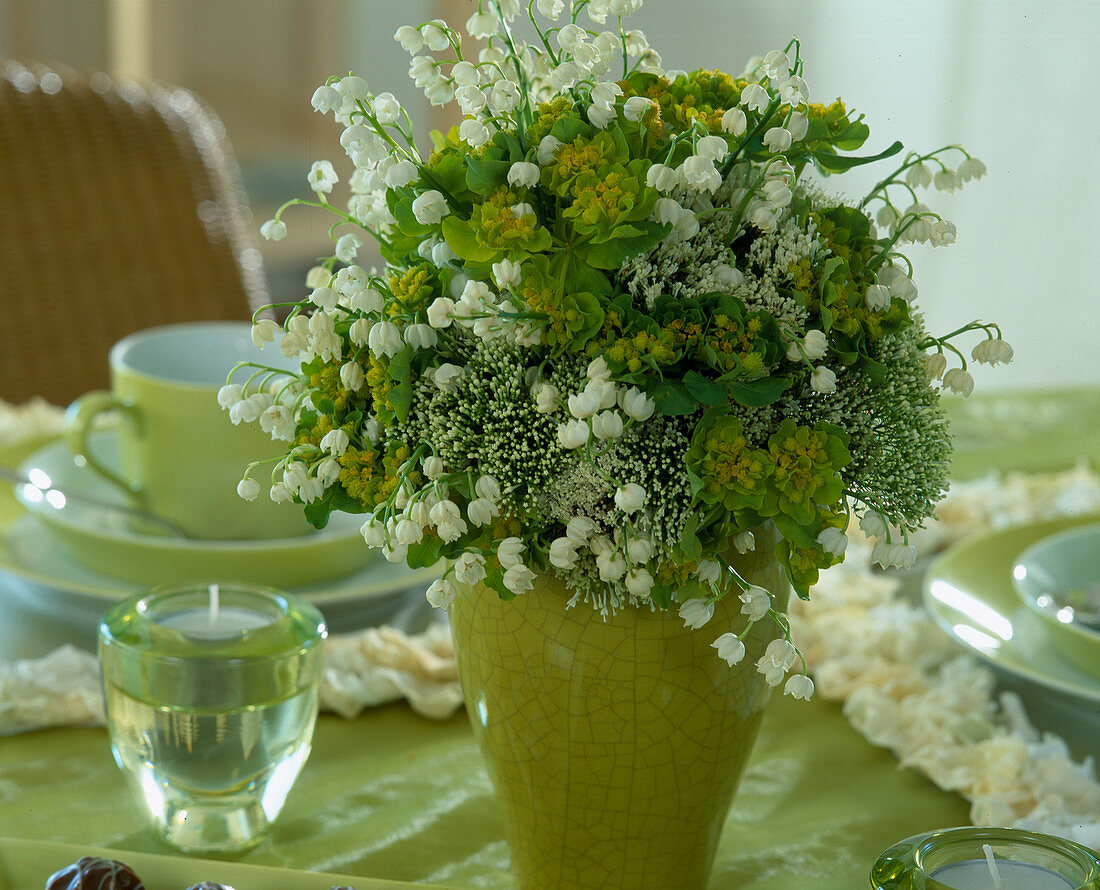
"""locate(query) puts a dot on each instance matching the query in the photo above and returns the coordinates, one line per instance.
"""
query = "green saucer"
(106, 541)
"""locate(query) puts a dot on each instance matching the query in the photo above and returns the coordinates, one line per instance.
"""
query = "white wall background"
(1017, 84)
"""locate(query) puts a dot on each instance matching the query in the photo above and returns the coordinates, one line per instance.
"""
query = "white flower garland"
(906, 686)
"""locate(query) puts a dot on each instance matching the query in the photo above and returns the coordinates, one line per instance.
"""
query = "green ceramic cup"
(180, 457)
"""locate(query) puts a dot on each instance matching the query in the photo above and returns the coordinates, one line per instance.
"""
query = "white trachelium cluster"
(776, 253)
(703, 263)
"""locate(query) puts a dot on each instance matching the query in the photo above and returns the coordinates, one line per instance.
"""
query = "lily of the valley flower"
(799, 686)
(322, 177)
(756, 602)
(958, 380)
(696, 612)
(430, 207)
(630, 498)
(730, 649)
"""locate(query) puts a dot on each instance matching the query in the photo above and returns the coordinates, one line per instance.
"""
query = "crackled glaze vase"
(615, 746)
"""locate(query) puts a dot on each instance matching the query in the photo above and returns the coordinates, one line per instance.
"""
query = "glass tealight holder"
(986, 859)
(211, 695)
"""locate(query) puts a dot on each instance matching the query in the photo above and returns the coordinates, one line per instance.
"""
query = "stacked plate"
(88, 555)
(1003, 595)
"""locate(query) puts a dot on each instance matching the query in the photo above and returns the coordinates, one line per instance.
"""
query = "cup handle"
(79, 424)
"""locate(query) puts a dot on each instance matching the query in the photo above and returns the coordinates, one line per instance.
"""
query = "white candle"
(975, 874)
(216, 622)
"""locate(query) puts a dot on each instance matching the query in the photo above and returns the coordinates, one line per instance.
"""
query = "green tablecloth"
(393, 795)
(397, 796)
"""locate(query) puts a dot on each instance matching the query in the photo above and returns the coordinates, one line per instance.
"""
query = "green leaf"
(689, 540)
(827, 162)
(383, 413)
(449, 173)
(511, 144)
(484, 175)
(672, 397)
(760, 392)
(794, 532)
(696, 484)
(579, 275)
(398, 367)
(401, 398)
(317, 514)
(612, 254)
(661, 596)
(569, 128)
(626, 231)
(459, 236)
(852, 136)
(424, 554)
(876, 370)
(706, 391)
(540, 241)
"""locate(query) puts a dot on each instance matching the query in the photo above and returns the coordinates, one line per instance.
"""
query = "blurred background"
(1017, 84)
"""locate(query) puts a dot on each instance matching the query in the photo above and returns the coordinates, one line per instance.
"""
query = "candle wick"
(998, 884)
(214, 604)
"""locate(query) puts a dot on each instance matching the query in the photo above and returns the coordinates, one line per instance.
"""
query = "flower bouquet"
(625, 333)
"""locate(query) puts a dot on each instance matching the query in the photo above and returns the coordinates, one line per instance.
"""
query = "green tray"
(25, 865)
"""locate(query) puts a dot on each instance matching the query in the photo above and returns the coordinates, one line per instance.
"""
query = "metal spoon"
(1079, 605)
(44, 492)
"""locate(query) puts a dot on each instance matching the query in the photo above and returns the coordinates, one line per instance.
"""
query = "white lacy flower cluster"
(470, 366)
(905, 687)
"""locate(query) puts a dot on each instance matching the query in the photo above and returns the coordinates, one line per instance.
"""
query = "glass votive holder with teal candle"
(211, 694)
(986, 859)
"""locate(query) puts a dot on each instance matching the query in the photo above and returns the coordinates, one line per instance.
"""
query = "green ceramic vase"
(615, 746)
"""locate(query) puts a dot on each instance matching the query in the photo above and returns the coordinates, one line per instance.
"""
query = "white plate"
(970, 594)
